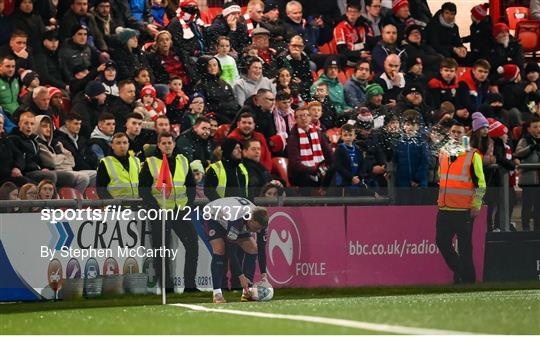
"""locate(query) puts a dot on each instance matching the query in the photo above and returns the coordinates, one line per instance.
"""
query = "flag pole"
(163, 279)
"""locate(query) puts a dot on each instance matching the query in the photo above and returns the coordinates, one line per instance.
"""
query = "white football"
(262, 291)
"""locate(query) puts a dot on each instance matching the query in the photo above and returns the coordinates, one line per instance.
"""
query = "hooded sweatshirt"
(100, 143)
(245, 87)
(52, 153)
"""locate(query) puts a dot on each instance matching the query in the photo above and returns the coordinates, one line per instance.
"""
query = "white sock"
(217, 291)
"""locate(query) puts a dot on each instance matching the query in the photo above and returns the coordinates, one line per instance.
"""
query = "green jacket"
(335, 92)
(9, 92)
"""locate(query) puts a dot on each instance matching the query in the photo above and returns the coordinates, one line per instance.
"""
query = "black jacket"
(127, 61)
(443, 39)
(193, 147)
(32, 25)
(239, 38)
(85, 159)
(300, 69)
(10, 157)
(159, 73)
(264, 120)
(258, 176)
(120, 110)
(89, 111)
(72, 54)
(191, 46)
(70, 20)
(49, 69)
(498, 56)
(29, 148)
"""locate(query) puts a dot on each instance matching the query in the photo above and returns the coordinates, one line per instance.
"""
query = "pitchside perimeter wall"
(306, 247)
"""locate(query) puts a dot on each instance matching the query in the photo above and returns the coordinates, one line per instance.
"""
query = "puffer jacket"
(29, 148)
(9, 92)
(411, 159)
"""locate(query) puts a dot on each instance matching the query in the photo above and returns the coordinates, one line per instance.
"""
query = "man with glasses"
(298, 63)
(372, 16)
(309, 154)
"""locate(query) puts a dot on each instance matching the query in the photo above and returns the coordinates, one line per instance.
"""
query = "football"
(262, 291)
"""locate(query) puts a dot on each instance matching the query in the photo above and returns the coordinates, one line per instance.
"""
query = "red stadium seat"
(315, 75)
(349, 71)
(221, 133)
(328, 48)
(342, 77)
(209, 16)
(333, 135)
(279, 167)
(528, 35)
(516, 14)
(91, 193)
(69, 193)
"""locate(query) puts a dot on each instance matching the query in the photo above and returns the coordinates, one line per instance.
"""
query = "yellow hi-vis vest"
(123, 184)
(178, 196)
(222, 177)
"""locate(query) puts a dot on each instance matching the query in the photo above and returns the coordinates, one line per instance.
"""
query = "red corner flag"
(164, 178)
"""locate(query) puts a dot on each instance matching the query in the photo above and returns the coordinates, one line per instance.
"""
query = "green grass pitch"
(491, 309)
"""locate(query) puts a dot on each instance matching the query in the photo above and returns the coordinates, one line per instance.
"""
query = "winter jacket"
(95, 37)
(89, 110)
(100, 144)
(411, 160)
(335, 92)
(264, 120)
(440, 91)
(245, 87)
(10, 157)
(431, 60)
(193, 147)
(160, 74)
(127, 62)
(300, 69)
(49, 70)
(77, 145)
(29, 149)
(266, 155)
(72, 54)
(355, 91)
(120, 110)
(52, 153)
(20, 63)
(258, 176)
(498, 56)
(528, 151)
(280, 33)
(308, 32)
(471, 93)
(441, 37)
(381, 51)
(194, 46)
(9, 92)
(427, 114)
(343, 165)
(295, 166)
(32, 25)
(481, 38)
(239, 38)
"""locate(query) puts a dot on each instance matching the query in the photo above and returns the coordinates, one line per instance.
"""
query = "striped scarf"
(249, 24)
(310, 153)
(185, 19)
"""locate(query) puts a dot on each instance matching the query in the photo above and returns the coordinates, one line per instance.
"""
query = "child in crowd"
(273, 189)
(30, 81)
(196, 109)
(142, 78)
(153, 106)
(109, 80)
(229, 70)
(329, 113)
(9, 191)
(46, 190)
(349, 165)
(315, 111)
(443, 87)
(176, 100)
(411, 160)
(198, 175)
(445, 114)
(28, 191)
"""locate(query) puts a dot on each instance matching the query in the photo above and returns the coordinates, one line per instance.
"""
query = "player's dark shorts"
(214, 230)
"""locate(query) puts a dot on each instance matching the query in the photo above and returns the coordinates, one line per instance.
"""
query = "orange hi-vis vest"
(456, 187)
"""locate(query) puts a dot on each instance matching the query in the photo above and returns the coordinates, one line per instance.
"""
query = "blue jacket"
(355, 92)
(411, 159)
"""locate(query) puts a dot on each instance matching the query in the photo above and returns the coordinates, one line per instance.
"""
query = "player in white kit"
(230, 223)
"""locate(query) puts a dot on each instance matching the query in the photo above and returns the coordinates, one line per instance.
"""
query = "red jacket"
(266, 155)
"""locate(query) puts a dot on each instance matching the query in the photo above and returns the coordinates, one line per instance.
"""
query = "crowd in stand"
(347, 94)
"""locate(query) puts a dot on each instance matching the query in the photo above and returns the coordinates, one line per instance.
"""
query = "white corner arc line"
(397, 329)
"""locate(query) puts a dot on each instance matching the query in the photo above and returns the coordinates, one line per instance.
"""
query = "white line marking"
(398, 329)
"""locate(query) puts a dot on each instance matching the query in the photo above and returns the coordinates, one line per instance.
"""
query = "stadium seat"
(333, 135)
(221, 133)
(349, 71)
(209, 16)
(328, 48)
(279, 167)
(91, 193)
(528, 35)
(516, 14)
(342, 77)
(69, 193)
(66, 105)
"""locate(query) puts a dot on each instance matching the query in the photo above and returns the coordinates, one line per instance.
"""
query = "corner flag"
(164, 180)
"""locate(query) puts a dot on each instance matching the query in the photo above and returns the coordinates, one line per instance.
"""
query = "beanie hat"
(50, 35)
(270, 5)
(53, 91)
(196, 166)
(94, 88)
(230, 7)
(398, 4)
(410, 88)
(532, 67)
(499, 28)
(124, 34)
(374, 90)
(331, 61)
(148, 89)
(509, 72)
(479, 12)
(28, 76)
(110, 64)
(411, 28)
(364, 119)
(76, 28)
(196, 95)
(496, 128)
(479, 121)
(187, 3)
(78, 68)
(492, 97)
(228, 146)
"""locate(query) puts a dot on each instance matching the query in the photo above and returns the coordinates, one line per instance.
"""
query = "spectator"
(136, 135)
(218, 93)
(47, 57)
(273, 189)
(513, 90)
(124, 104)
(229, 70)
(198, 176)
(532, 86)
(284, 121)
(39, 102)
(101, 137)
(27, 160)
(534, 9)
(315, 111)
(28, 191)
(481, 32)
(443, 87)
(329, 117)
(229, 25)
(298, 64)
(25, 19)
(166, 61)
(372, 16)
(193, 143)
(9, 191)
(335, 89)
(399, 18)
(46, 190)
(18, 48)
(142, 78)
(68, 135)
(355, 87)
(109, 79)
(30, 81)
(391, 80)
(227, 177)
(196, 110)
(280, 33)
(56, 158)
(8, 98)
(260, 106)
(420, 12)
(261, 41)
(259, 175)
(411, 160)
(5, 23)
(352, 36)
(78, 16)
(442, 33)
(150, 106)
(387, 46)
(127, 54)
(82, 75)
(176, 100)
(473, 87)
(418, 52)
(10, 156)
(106, 22)
(283, 82)
(309, 32)
(89, 105)
(374, 100)
(251, 82)
(253, 16)
(412, 97)
(324, 15)
(118, 170)
(505, 49)
(308, 152)
(245, 130)
(528, 151)
(76, 51)
(187, 30)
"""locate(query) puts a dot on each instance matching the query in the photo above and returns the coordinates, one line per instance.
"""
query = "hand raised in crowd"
(104, 57)
(152, 29)
(531, 87)
(16, 172)
(23, 53)
(232, 21)
(391, 103)
(378, 169)
(101, 67)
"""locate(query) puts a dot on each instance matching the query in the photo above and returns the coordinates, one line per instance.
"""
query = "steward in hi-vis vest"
(461, 188)
(228, 177)
(118, 174)
(180, 196)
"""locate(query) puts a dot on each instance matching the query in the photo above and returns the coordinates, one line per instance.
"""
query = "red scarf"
(468, 78)
(249, 24)
(310, 152)
(185, 19)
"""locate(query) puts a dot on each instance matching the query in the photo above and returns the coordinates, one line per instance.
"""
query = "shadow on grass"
(281, 294)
